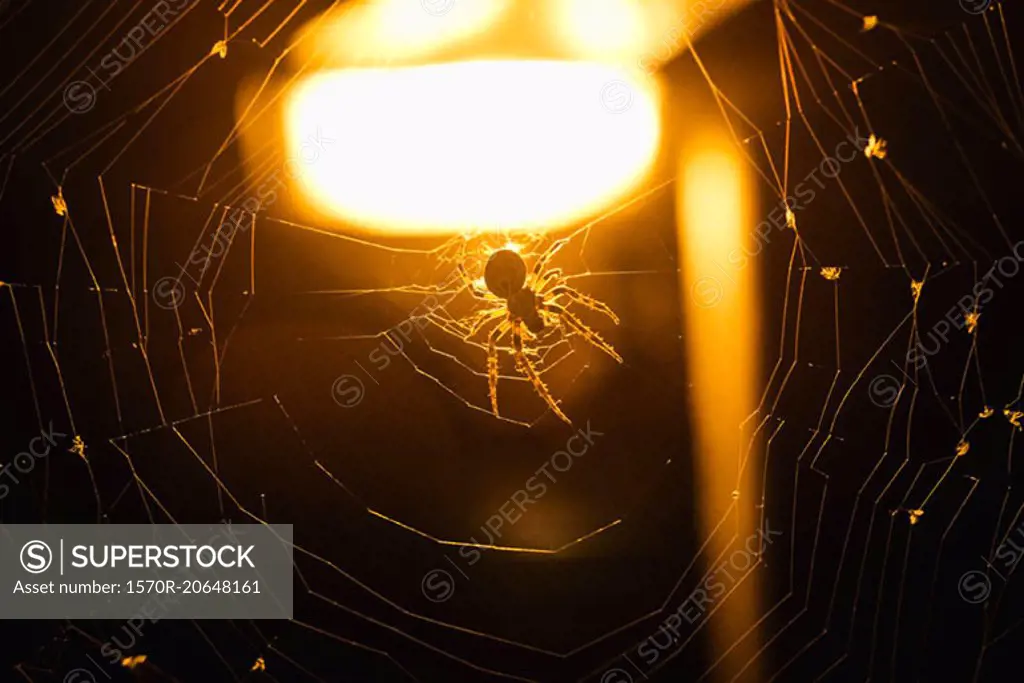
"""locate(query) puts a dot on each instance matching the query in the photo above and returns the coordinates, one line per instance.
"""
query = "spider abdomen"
(505, 273)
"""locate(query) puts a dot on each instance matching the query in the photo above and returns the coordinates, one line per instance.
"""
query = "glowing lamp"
(450, 115)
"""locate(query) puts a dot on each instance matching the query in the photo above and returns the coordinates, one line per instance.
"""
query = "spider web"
(291, 373)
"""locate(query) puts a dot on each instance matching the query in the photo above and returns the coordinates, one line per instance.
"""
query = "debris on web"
(133, 661)
(971, 321)
(78, 447)
(876, 147)
(59, 205)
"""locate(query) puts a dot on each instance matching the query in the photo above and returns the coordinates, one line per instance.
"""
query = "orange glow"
(612, 28)
(722, 308)
(375, 33)
(390, 31)
(722, 344)
(449, 115)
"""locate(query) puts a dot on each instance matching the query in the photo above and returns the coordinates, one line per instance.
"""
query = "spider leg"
(473, 289)
(492, 362)
(481, 319)
(546, 257)
(526, 367)
(584, 300)
(576, 324)
(552, 277)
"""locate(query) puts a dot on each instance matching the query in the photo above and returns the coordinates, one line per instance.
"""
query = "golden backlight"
(722, 338)
(448, 115)
(401, 31)
(609, 28)
(453, 146)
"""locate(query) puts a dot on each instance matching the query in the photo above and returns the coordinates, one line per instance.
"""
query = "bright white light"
(453, 146)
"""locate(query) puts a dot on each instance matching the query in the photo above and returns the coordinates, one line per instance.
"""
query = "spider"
(527, 304)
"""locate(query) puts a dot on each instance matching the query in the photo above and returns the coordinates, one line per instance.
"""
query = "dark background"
(852, 589)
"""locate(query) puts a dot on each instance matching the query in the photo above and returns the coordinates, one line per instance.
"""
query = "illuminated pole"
(721, 337)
